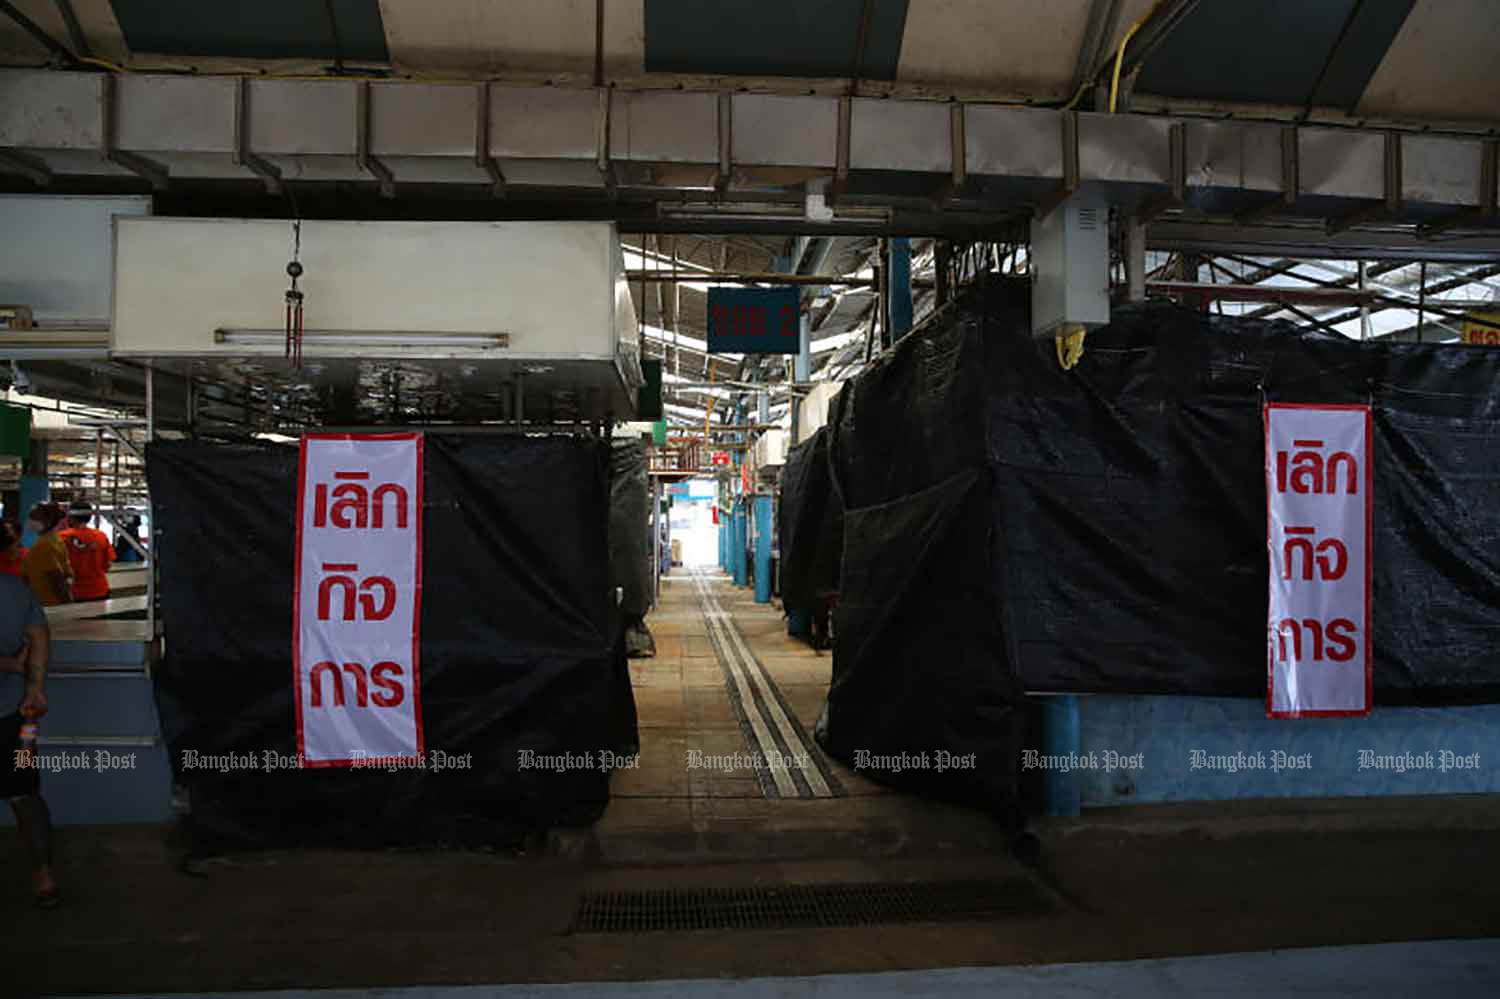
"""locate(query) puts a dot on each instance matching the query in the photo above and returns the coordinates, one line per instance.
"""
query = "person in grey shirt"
(25, 645)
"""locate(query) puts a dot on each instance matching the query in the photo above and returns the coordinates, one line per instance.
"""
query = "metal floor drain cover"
(805, 906)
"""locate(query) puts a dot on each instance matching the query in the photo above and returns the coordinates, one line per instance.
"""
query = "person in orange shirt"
(12, 553)
(89, 554)
(46, 565)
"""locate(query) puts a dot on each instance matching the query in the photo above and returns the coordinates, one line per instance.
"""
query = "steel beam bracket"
(958, 175)
(1484, 214)
(726, 143)
(149, 170)
(1290, 182)
(368, 162)
(601, 143)
(256, 164)
(28, 166)
(1387, 207)
(1070, 181)
(1176, 192)
(482, 157)
(841, 148)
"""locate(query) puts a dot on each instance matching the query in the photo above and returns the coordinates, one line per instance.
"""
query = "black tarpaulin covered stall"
(630, 541)
(519, 645)
(919, 670)
(1130, 507)
(809, 523)
(1011, 526)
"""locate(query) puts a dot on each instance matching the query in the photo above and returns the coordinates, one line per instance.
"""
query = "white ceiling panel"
(500, 36)
(1022, 46)
(1442, 64)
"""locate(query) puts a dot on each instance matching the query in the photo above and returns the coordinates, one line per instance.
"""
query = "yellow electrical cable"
(1114, 83)
(1070, 346)
(1077, 94)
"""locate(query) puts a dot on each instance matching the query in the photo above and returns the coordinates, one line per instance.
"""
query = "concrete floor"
(1131, 884)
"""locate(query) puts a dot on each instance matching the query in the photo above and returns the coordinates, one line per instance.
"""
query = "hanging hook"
(294, 299)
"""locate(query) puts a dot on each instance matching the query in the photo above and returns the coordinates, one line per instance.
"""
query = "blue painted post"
(1062, 789)
(900, 287)
(762, 549)
(741, 534)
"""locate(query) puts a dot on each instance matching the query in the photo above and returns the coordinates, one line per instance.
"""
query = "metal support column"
(802, 364)
(898, 286)
(762, 549)
(741, 537)
(655, 541)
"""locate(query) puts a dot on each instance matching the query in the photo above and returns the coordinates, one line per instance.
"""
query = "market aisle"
(727, 698)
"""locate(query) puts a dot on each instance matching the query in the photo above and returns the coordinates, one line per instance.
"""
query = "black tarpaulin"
(922, 695)
(809, 525)
(1130, 502)
(519, 649)
(1009, 526)
(630, 528)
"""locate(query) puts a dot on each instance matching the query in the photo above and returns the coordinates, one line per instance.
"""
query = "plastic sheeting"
(1130, 513)
(519, 647)
(630, 527)
(1012, 526)
(809, 524)
(922, 695)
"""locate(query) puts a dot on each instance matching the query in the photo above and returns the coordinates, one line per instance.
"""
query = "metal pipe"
(98, 468)
(1207, 291)
(26, 24)
(151, 511)
(750, 277)
(1421, 298)
(75, 30)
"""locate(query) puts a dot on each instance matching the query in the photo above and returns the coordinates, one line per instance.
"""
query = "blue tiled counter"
(1103, 750)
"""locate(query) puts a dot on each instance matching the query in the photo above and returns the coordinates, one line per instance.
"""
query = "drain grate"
(805, 906)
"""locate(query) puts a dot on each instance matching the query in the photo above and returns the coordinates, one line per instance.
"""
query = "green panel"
(265, 29)
(774, 37)
(15, 430)
(659, 433)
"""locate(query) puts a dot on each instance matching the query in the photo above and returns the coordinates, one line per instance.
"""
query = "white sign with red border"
(357, 608)
(1318, 518)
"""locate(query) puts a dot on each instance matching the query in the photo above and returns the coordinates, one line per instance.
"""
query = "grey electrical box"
(1070, 265)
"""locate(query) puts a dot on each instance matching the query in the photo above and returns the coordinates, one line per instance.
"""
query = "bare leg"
(34, 821)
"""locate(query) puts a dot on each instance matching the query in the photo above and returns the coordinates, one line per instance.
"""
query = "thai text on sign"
(357, 606)
(1318, 518)
(1482, 328)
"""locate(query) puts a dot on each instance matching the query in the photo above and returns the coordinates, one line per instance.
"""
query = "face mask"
(33, 527)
